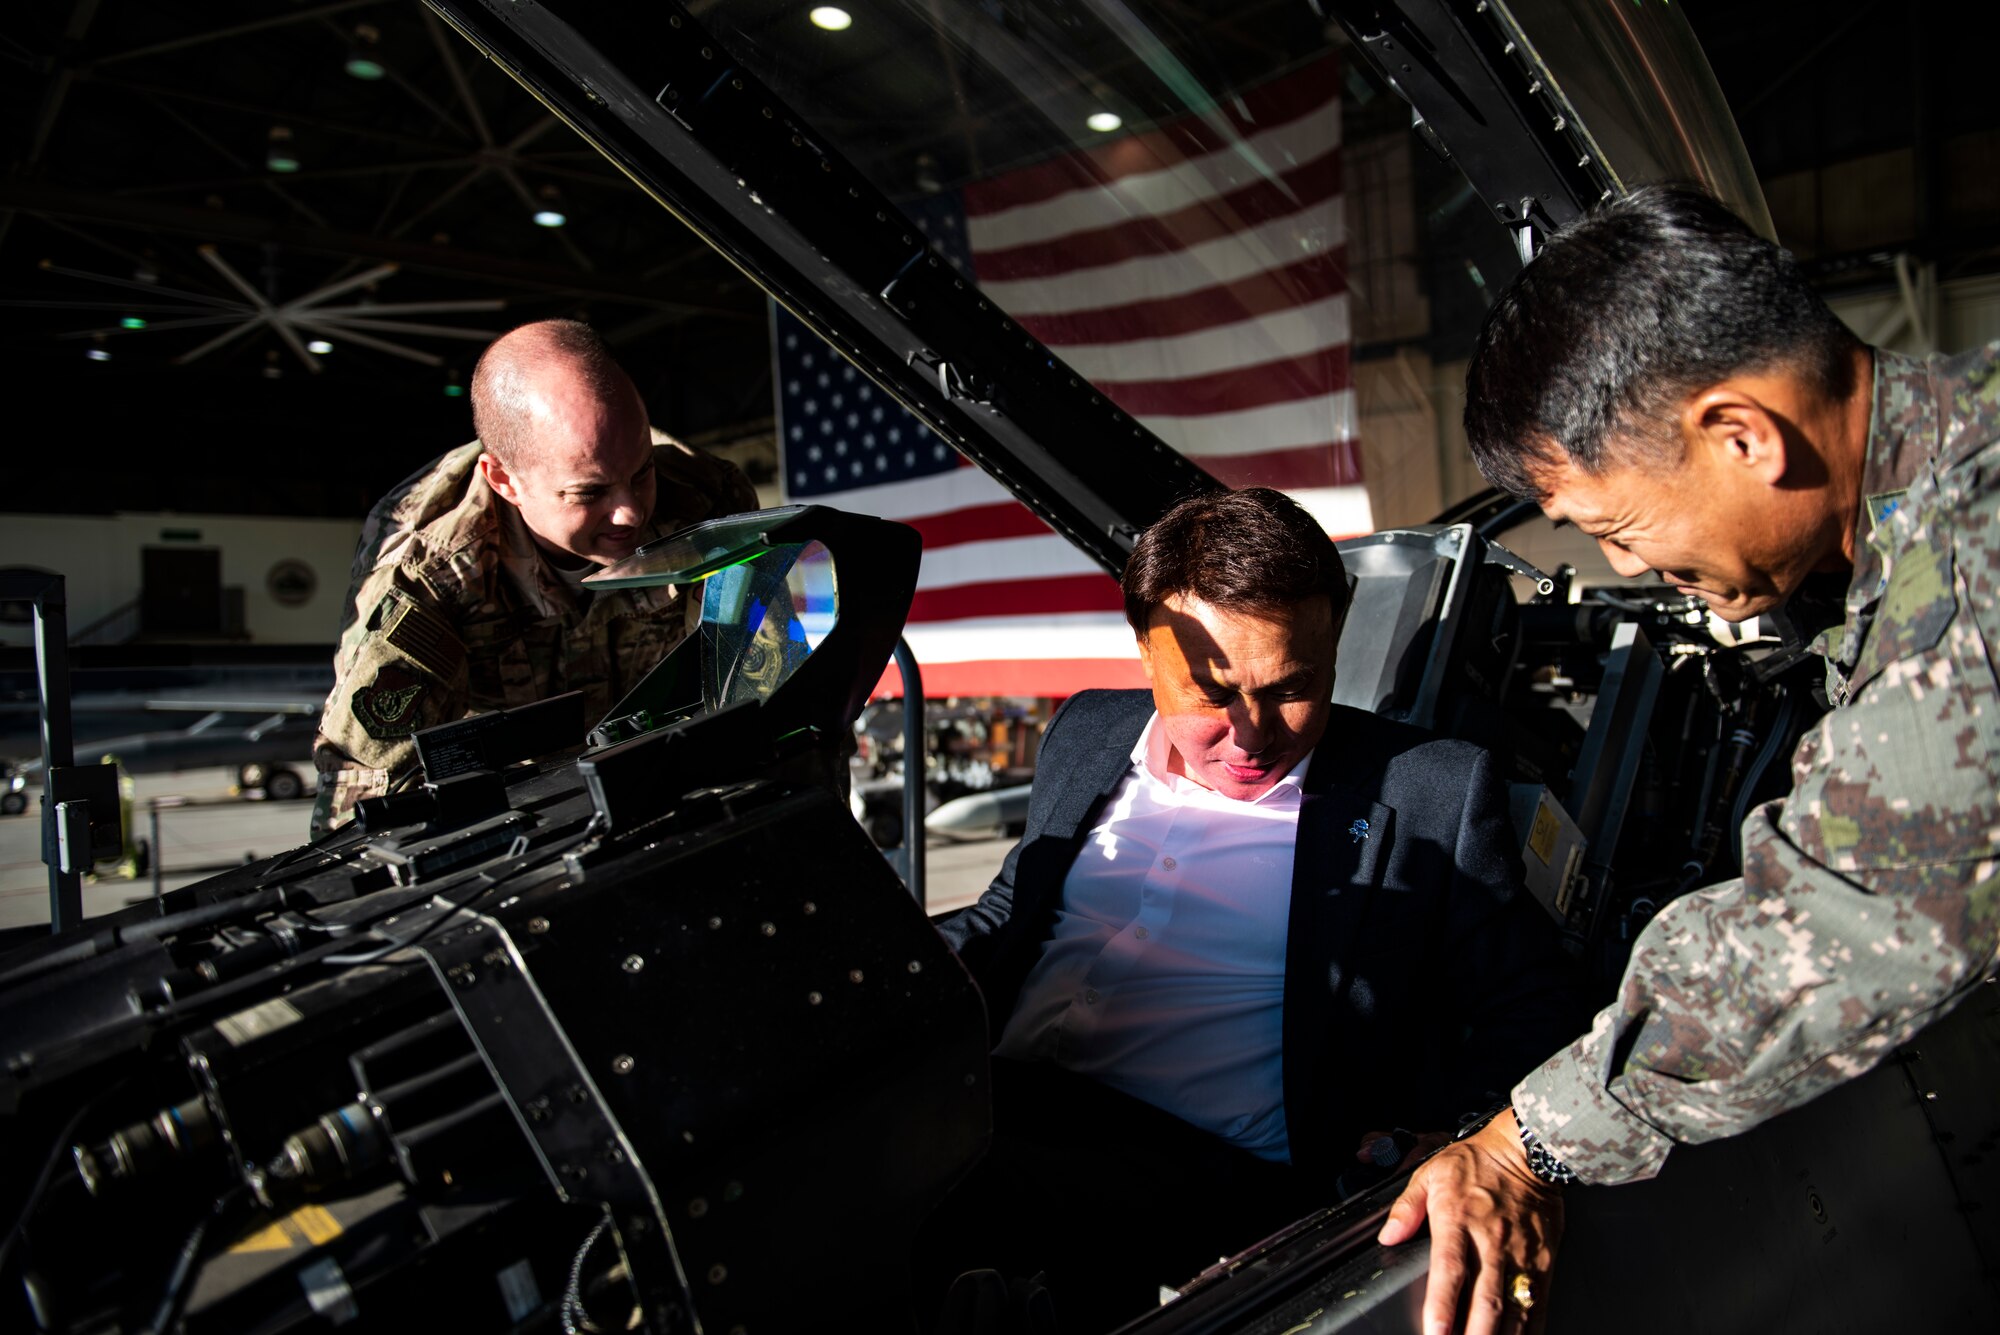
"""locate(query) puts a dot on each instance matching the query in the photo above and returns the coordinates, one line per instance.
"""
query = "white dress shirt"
(1165, 974)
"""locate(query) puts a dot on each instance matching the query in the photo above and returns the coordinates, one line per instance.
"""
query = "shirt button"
(1090, 996)
(1168, 863)
(1141, 933)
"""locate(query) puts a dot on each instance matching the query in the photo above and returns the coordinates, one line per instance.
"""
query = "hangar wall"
(292, 573)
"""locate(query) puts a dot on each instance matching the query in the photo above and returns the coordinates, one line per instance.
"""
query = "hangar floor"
(217, 831)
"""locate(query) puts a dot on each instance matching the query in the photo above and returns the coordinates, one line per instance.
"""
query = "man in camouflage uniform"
(1666, 381)
(466, 592)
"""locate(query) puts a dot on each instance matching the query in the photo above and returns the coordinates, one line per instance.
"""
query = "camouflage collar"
(1903, 430)
(539, 587)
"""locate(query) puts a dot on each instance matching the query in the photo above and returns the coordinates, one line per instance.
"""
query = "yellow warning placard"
(274, 1238)
(1542, 838)
(307, 1226)
(318, 1226)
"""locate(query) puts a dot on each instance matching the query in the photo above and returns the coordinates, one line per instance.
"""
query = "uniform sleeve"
(1869, 902)
(399, 668)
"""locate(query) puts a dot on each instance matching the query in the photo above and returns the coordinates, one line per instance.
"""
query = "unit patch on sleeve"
(425, 637)
(391, 706)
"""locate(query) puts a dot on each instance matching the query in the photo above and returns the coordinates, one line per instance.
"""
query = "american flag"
(1196, 273)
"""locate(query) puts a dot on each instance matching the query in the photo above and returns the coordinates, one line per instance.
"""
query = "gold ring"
(1522, 1292)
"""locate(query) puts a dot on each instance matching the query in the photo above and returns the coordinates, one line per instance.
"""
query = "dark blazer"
(1421, 980)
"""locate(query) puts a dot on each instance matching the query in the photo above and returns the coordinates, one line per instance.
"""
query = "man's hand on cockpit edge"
(1492, 1220)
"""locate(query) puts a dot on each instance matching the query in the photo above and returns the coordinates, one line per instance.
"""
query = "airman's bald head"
(566, 440)
(538, 374)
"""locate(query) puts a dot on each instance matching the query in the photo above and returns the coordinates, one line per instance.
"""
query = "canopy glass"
(1217, 215)
(765, 606)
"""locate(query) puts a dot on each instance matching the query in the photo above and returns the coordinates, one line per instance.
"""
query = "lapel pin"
(1358, 830)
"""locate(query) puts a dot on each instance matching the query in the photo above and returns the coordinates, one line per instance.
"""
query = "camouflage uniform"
(1869, 901)
(453, 610)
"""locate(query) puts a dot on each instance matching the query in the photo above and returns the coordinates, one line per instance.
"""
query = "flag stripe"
(1284, 381)
(1041, 556)
(1289, 333)
(1099, 634)
(1134, 233)
(1278, 105)
(979, 523)
(1020, 598)
(953, 490)
(1305, 424)
(1342, 511)
(1057, 677)
(1279, 289)
(1330, 464)
(1315, 230)
(1335, 465)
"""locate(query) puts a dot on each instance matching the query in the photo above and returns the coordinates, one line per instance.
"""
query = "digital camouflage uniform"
(1869, 900)
(452, 610)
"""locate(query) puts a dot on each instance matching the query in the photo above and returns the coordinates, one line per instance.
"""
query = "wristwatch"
(1541, 1163)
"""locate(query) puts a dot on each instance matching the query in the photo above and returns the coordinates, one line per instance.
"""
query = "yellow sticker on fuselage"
(307, 1226)
(1542, 838)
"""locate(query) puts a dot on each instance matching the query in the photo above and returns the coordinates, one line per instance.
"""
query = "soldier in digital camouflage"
(1665, 380)
(466, 590)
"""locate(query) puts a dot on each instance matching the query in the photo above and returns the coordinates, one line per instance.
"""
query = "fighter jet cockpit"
(475, 1029)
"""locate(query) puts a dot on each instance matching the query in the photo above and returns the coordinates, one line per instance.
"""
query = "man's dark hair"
(504, 379)
(1253, 550)
(1624, 315)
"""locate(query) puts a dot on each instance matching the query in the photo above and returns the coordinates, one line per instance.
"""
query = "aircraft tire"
(283, 785)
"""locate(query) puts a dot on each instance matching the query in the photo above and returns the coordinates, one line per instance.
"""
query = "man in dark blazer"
(1408, 978)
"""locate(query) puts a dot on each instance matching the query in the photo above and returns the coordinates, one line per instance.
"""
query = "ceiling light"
(319, 345)
(362, 61)
(831, 19)
(278, 155)
(1104, 122)
(97, 354)
(132, 322)
(550, 213)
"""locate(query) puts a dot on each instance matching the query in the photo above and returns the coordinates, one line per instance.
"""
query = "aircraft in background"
(262, 739)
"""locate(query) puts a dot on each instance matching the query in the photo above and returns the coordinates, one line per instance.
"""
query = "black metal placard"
(96, 787)
(501, 737)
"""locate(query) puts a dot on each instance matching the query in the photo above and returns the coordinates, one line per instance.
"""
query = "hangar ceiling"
(253, 179)
(230, 174)
(248, 177)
